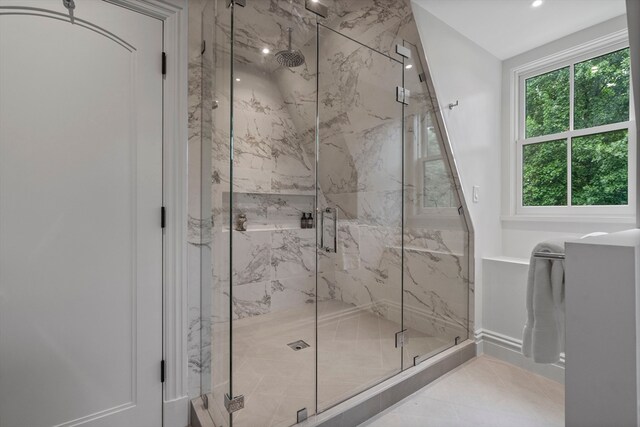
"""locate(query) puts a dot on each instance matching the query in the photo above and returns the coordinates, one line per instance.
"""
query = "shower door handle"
(324, 246)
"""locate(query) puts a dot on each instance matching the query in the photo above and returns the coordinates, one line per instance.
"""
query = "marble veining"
(274, 266)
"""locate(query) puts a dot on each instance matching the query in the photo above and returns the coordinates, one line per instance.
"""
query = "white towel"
(543, 336)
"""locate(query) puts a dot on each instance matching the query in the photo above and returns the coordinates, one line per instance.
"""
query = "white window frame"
(415, 174)
(564, 59)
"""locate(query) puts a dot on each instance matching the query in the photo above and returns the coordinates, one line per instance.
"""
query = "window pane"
(544, 174)
(438, 192)
(599, 169)
(547, 103)
(602, 90)
(429, 146)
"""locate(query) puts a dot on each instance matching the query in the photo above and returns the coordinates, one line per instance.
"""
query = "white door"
(80, 198)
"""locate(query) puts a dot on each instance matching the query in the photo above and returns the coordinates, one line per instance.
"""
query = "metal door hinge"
(317, 8)
(162, 371)
(205, 401)
(302, 415)
(163, 217)
(164, 64)
(460, 210)
(233, 404)
(402, 95)
(403, 51)
(400, 338)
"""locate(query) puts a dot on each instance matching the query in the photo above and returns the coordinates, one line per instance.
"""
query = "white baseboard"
(176, 412)
(509, 349)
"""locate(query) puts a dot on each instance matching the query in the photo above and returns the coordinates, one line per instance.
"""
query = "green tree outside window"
(599, 161)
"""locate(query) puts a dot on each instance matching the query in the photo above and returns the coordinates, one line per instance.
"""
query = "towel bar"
(548, 255)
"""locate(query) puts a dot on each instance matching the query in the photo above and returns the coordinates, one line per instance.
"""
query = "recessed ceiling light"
(536, 3)
(315, 1)
(409, 66)
(237, 79)
(265, 50)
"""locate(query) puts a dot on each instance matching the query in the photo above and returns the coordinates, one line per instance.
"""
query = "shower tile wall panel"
(272, 270)
(274, 183)
(268, 154)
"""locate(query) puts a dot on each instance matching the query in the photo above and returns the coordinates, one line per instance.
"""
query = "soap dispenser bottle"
(310, 220)
(303, 220)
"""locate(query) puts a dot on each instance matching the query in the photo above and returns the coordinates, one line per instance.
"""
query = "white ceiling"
(509, 27)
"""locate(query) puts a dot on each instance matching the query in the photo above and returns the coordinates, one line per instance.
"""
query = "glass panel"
(435, 238)
(273, 185)
(287, 310)
(547, 103)
(359, 174)
(215, 340)
(602, 90)
(599, 165)
(544, 174)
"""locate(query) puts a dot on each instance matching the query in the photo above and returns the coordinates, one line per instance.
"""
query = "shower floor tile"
(356, 349)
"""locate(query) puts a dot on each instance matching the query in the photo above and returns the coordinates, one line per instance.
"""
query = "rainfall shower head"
(290, 58)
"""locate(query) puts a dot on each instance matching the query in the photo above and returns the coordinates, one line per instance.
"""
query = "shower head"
(290, 58)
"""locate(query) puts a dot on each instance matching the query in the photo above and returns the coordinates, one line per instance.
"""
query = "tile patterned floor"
(356, 349)
(482, 392)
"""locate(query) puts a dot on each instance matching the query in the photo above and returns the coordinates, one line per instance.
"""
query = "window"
(574, 136)
(436, 192)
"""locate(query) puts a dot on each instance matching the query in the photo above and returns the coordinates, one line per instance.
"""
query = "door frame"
(174, 15)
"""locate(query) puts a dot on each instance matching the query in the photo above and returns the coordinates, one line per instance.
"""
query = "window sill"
(631, 220)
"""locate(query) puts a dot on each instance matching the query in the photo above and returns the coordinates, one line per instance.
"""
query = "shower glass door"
(359, 196)
(272, 185)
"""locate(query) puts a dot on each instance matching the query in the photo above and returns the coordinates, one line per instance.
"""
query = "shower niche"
(335, 116)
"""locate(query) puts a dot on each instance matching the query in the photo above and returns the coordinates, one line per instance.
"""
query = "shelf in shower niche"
(274, 193)
(267, 228)
(268, 211)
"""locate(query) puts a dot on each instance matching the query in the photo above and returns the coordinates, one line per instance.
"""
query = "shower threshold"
(376, 399)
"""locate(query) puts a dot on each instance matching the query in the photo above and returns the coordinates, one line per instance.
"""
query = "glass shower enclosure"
(337, 248)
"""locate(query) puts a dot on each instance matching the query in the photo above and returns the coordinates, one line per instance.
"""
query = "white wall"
(520, 236)
(479, 132)
(505, 281)
(465, 72)
(504, 296)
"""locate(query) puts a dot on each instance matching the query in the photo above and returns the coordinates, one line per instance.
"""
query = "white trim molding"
(174, 14)
(509, 349)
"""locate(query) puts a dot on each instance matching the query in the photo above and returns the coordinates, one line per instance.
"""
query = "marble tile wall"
(272, 270)
(274, 175)
(360, 172)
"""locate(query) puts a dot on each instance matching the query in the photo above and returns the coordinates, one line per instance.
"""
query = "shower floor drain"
(298, 345)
